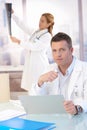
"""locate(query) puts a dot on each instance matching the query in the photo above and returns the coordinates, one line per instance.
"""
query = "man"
(68, 76)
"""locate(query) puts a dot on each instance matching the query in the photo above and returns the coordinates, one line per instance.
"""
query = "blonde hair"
(50, 19)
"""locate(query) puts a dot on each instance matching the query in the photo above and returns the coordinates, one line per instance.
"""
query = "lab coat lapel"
(74, 78)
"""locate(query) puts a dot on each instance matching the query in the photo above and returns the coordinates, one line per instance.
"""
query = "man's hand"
(14, 39)
(47, 77)
(70, 107)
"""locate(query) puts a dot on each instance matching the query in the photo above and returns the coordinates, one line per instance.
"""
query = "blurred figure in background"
(36, 60)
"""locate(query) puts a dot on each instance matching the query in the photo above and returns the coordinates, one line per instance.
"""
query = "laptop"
(49, 104)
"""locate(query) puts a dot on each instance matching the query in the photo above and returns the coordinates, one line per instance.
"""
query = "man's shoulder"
(80, 64)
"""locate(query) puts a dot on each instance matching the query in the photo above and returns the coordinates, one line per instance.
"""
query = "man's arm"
(47, 77)
(41, 87)
(22, 25)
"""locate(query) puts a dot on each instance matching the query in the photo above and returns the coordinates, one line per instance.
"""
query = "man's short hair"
(62, 36)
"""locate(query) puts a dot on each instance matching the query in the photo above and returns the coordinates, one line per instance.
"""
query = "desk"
(63, 121)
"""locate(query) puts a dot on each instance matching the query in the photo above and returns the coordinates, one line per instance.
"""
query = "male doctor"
(67, 76)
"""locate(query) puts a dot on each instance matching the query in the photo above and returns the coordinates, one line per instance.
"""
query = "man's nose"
(58, 53)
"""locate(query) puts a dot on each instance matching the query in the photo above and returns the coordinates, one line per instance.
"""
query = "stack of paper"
(22, 124)
(10, 113)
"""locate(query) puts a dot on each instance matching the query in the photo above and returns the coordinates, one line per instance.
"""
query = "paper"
(10, 113)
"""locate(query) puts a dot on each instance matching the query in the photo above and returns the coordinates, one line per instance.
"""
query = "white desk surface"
(11, 68)
(63, 122)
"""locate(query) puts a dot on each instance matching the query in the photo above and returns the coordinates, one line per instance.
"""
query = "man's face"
(62, 54)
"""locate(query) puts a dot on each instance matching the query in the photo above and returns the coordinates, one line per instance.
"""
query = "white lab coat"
(77, 89)
(36, 60)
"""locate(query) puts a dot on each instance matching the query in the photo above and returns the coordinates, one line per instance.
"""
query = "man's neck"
(65, 67)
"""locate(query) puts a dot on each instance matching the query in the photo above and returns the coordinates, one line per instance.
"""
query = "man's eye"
(54, 50)
(62, 50)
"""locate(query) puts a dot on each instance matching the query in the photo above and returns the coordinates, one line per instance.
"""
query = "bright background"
(70, 17)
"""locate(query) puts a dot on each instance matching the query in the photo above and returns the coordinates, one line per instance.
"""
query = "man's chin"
(58, 63)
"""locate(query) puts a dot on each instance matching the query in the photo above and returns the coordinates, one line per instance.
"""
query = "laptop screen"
(51, 104)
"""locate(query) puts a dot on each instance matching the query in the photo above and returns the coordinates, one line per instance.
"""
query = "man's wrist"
(79, 109)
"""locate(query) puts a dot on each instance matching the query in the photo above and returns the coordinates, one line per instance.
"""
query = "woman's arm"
(36, 45)
(14, 39)
(22, 25)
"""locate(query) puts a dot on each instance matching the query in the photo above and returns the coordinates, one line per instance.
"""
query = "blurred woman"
(36, 60)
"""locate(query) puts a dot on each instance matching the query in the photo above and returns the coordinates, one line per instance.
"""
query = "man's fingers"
(53, 72)
(69, 107)
(67, 103)
(53, 75)
(49, 77)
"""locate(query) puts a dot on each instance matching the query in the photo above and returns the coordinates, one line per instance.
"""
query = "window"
(66, 20)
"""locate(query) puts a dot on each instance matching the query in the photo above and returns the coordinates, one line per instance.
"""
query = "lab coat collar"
(40, 32)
